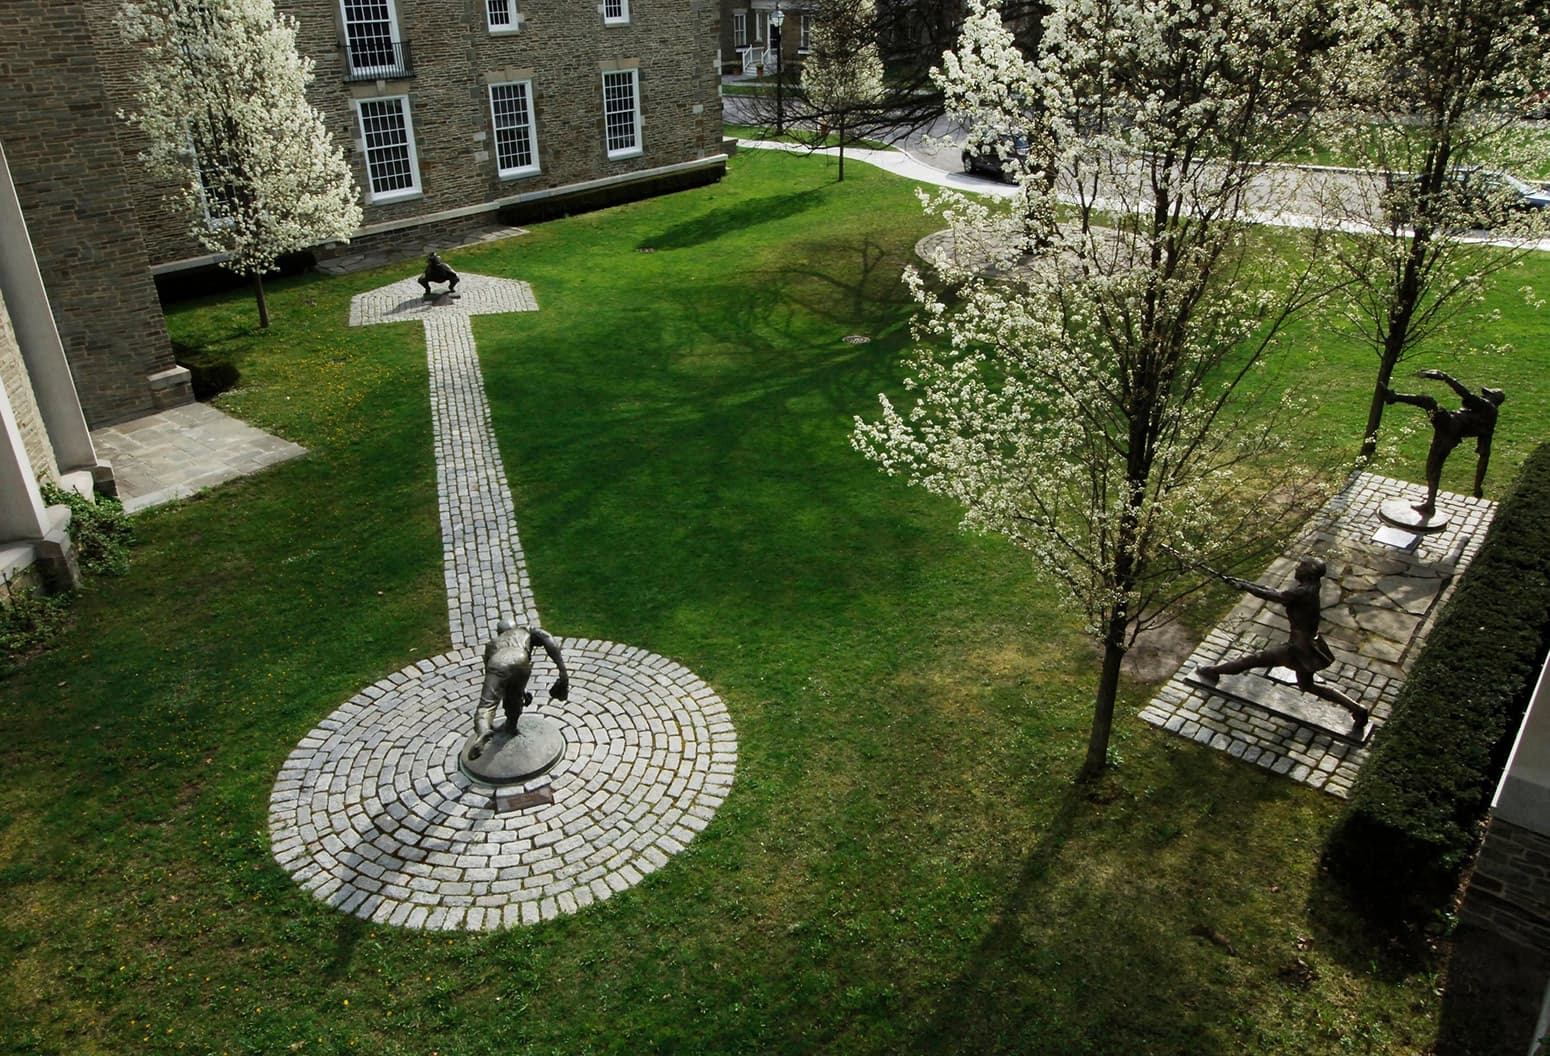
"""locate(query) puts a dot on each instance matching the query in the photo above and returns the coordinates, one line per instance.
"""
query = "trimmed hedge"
(1412, 822)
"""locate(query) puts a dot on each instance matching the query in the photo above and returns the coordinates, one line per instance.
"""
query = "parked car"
(1482, 197)
(988, 159)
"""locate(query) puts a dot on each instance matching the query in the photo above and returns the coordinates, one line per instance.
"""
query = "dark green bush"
(28, 622)
(100, 530)
(1414, 814)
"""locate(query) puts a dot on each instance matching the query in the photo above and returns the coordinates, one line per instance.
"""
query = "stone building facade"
(43, 433)
(451, 110)
(1509, 886)
(747, 41)
(67, 162)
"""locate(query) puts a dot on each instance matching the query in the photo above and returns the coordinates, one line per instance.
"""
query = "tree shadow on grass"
(733, 220)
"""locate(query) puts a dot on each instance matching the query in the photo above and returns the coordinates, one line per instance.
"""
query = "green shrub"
(1412, 822)
(28, 622)
(101, 531)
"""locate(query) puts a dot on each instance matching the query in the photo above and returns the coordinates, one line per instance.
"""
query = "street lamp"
(777, 17)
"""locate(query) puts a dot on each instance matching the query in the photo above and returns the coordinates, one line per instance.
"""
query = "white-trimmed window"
(739, 29)
(392, 169)
(516, 144)
(616, 12)
(761, 26)
(502, 15)
(371, 37)
(621, 113)
(804, 39)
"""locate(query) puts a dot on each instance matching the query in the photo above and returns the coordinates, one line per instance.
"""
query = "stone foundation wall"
(1509, 892)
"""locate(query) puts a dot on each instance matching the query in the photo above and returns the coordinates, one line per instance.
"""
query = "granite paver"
(370, 812)
(1380, 598)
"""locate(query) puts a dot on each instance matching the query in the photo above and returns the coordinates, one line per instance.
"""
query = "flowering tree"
(1435, 114)
(843, 75)
(1075, 392)
(221, 96)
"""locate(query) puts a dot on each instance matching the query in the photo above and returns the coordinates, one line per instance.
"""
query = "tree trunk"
(1406, 297)
(263, 303)
(842, 150)
(1103, 707)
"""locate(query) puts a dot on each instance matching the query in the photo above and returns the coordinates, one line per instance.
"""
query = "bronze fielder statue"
(1305, 651)
(508, 663)
(436, 271)
(1476, 418)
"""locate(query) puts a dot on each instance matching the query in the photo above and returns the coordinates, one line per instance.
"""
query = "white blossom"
(1077, 395)
(221, 96)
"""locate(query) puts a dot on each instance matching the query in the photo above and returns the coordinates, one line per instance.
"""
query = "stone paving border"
(1374, 636)
(372, 815)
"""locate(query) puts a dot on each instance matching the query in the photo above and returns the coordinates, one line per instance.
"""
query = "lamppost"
(777, 17)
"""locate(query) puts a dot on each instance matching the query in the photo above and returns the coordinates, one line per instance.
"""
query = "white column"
(21, 507)
(42, 351)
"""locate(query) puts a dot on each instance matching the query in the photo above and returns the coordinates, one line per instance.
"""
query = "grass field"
(903, 865)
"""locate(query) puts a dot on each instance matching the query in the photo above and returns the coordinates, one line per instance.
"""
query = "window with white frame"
(621, 113)
(804, 41)
(370, 36)
(516, 146)
(739, 29)
(761, 26)
(502, 15)
(615, 12)
(392, 170)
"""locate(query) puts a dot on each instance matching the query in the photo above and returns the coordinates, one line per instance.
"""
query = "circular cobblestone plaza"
(371, 814)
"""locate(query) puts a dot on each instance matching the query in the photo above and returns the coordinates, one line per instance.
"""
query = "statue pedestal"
(511, 758)
(1402, 512)
(1276, 691)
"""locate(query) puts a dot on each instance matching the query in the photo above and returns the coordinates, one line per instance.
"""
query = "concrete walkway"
(174, 453)
(371, 814)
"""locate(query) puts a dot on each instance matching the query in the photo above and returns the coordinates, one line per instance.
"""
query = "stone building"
(67, 160)
(747, 42)
(451, 112)
(43, 434)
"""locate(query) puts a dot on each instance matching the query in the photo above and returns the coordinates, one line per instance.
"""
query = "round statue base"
(511, 758)
(1403, 514)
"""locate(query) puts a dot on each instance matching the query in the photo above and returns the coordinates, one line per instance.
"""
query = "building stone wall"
(1509, 891)
(67, 162)
(24, 404)
(562, 47)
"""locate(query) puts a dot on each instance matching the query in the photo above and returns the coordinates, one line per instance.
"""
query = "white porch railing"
(756, 56)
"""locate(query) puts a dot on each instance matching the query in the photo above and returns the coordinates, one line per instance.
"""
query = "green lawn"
(903, 864)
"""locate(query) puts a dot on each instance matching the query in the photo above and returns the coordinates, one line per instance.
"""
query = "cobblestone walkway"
(370, 812)
(1381, 597)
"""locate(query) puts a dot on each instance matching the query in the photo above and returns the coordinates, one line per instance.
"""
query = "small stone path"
(1381, 600)
(370, 812)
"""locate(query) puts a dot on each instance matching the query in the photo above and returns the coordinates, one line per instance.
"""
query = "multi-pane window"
(368, 33)
(502, 15)
(739, 29)
(805, 41)
(615, 11)
(511, 105)
(388, 135)
(621, 113)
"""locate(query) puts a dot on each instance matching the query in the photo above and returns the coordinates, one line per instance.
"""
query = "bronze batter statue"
(508, 663)
(1305, 651)
(436, 271)
(1477, 418)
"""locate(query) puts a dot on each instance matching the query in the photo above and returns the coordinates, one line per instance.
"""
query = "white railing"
(756, 56)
